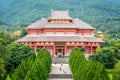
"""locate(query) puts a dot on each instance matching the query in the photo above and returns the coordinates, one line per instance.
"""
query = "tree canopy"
(35, 68)
(15, 53)
(116, 72)
(108, 53)
(86, 70)
(102, 14)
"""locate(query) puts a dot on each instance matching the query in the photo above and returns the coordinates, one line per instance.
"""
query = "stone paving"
(59, 60)
(60, 69)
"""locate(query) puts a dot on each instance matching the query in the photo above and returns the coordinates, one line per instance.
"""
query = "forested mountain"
(115, 1)
(102, 14)
(17, 14)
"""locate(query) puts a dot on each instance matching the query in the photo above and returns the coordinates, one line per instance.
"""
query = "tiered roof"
(38, 24)
(44, 23)
(81, 24)
(37, 38)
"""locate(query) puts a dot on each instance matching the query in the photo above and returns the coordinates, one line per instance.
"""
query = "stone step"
(62, 76)
(59, 60)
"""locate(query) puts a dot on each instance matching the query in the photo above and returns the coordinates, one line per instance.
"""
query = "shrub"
(86, 70)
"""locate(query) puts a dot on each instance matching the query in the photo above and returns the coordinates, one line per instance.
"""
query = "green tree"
(37, 71)
(105, 56)
(41, 67)
(2, 70)
(35, 68)
(4, 40)
(116, 72)
(23, 68)
(0, 76)
(15, 53)
(23, 33)
(114, 46)
(8, 78)
(86, 70)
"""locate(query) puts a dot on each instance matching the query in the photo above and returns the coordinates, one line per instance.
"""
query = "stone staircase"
(59, 60)
(60, 69)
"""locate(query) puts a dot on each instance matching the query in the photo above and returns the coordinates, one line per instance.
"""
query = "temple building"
(59, 33)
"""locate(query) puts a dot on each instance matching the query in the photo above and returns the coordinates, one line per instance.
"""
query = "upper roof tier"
(60, 15)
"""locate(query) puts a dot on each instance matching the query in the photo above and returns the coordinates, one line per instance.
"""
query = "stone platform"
(60, 72)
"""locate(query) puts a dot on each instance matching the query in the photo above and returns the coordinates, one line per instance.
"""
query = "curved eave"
(59, 39)
(62, 28)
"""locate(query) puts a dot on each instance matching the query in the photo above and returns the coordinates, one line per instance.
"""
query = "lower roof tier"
(30, 38)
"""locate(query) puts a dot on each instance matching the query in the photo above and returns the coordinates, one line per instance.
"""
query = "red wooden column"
(44, 32)
(65, 31)
(82, 32)
(91, 49)
(65, 50)
(36, 32)
(90, 32)
(54, 32)
(54, 50)
(74, 32)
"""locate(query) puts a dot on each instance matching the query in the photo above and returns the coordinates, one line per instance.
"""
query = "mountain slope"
(102, 14)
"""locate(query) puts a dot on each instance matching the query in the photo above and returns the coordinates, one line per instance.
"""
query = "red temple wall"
(65, 31)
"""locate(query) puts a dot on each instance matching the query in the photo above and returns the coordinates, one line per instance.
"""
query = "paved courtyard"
(60, 69)
(59, 60)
